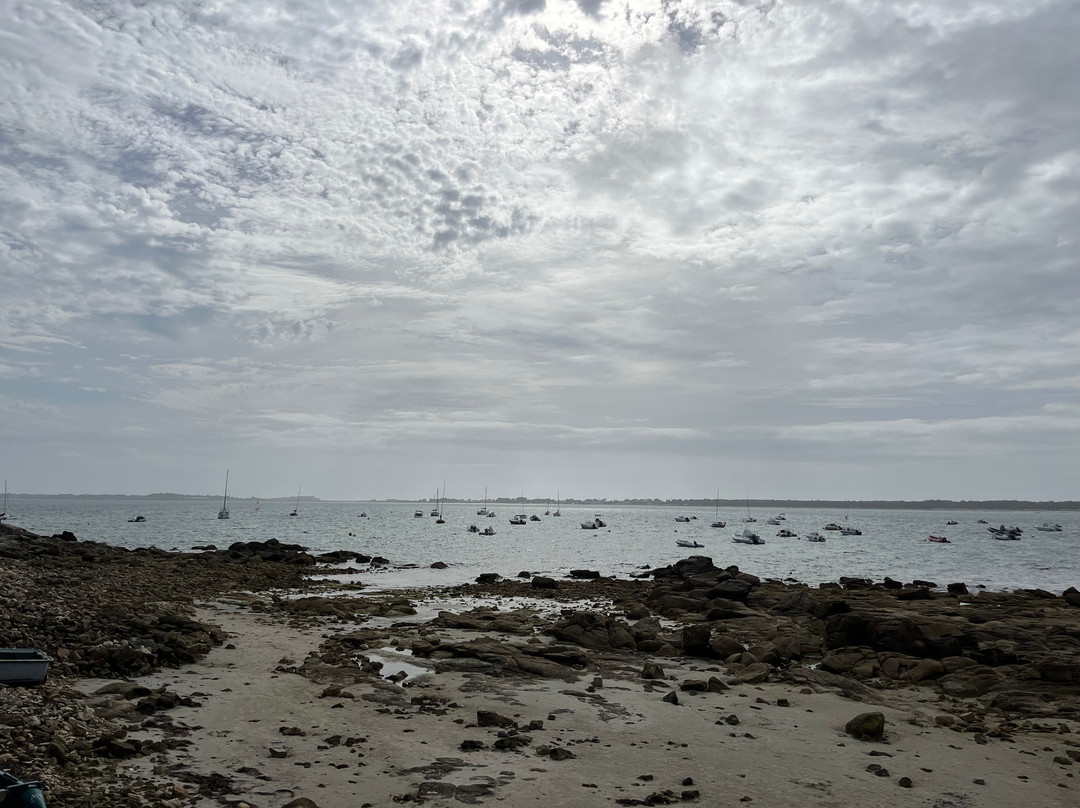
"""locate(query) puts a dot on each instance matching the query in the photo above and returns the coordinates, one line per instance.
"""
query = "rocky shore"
(227, 677)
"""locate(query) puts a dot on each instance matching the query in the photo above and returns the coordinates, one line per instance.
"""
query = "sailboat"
(440, 520)
(716, 514)
(483, 511)
(296, 508)
(520, 518)
(224, 512)
(435, 509)
(556, 513)
(748, 518)
(3, 513)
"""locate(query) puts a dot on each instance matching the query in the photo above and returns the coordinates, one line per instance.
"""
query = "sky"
(802, 249)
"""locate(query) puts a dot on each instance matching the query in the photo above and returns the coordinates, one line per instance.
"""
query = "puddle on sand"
(396, 663)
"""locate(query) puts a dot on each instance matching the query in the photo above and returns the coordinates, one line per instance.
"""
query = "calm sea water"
(892, 542)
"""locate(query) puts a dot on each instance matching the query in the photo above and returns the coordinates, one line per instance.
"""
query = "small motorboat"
(747, 537)
(488, 531)
(982, 522)
(472, 529)
(519, 519)
(784, 533)
(139, 518)
(1006, 533)
(938, 539)
(534, 518)
(682, 518)
(774, 521)
(952, 522)
(491, 514)
(20, 794)
(418, 515)
(831, 526)
(685, 543)
(1047, 527)
(363, 515)
(595, 524)
(719, 524)
(850, 531)
(814, 536)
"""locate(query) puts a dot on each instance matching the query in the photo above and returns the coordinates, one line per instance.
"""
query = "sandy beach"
(569, 692)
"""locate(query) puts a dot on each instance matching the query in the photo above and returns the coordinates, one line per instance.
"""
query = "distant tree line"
(762, 504)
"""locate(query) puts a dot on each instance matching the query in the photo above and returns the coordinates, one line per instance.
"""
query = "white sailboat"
(717, 522)
(224, 512)
(483, 511)
(748, 518)
(440, 520)
(557, 504)
(296, 508)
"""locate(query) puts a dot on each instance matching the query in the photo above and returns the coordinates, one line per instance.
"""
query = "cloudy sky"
(794, 248)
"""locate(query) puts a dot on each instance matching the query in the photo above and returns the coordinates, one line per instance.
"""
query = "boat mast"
(225, 498)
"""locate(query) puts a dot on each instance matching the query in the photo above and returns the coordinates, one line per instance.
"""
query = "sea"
(636, 538)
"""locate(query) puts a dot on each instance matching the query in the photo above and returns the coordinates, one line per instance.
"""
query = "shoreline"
(975, 686)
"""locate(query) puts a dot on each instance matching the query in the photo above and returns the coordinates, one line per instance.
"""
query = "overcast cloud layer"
(793, 249)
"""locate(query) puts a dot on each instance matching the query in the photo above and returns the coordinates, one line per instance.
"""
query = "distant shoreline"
(761, 504)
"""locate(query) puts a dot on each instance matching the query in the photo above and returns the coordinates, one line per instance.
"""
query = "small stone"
(278, 752)
(979, 781)
(688, 781)
(672, 697)
(905, 782)
(690, 794)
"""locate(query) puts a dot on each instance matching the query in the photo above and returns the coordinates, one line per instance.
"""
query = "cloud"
(696, 230)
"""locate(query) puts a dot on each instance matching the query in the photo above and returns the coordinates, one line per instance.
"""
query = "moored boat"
(687, 543)
(938, 539)
(784, 533)
(814, 536)
(747, 537)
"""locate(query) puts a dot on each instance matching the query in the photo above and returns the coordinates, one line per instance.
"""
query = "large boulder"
(866, 726)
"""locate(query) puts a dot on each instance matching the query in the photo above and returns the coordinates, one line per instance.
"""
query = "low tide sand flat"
(694, 684)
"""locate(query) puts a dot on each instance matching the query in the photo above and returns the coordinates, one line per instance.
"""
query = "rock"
(543, 582)
(300, 802)
(694, 686)
(866, 726)
(470, 745)
(435, 789)
(957, 588)
(695, 639)
(920, 593)
(801, 602)
(585, 575)
(671, 697)
(735, 589)
(512, 743)
(558, 753)
(488, 577)
(490, 718)
(752, 674)
(439, 565)
(723, 646)
(716, 686)
(652, 670)
(687, 568)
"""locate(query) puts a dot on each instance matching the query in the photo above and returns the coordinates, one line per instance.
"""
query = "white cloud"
(658, 228)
